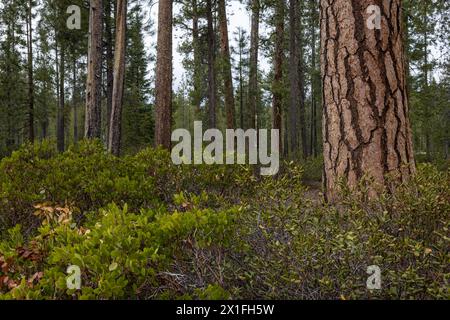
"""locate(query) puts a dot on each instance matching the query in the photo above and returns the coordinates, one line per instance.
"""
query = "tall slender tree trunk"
(75, 102)
(313, 134)
(241, 79)
(61, 105)
(278, 69)
(94, 72)
(366, 128)
(197, 94)
(426, 88)
(109, 62)
(212, 85)
(294, 95)
(253, 67)
(297, 82)
(115, 130)
(164, 76)
(226, 63)
(301, 89)
(30, 72)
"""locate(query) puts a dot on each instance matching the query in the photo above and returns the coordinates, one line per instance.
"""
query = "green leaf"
(113, 266)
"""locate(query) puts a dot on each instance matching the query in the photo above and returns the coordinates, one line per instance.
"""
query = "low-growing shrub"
(87, 178)
(140, 227)
(120, 254)
(305, 249)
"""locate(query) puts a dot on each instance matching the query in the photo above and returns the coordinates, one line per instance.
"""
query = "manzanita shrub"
(121, 255)
(87, 178)
(139, 227)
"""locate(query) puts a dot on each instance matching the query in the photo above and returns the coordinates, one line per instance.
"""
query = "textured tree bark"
(94, 72)
(212, 85)
(164, 76)
(253, 64)
(226, 63)
(366, 130)
(277, 102)
(115, 129)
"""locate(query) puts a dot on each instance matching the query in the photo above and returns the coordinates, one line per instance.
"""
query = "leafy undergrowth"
(139, 227)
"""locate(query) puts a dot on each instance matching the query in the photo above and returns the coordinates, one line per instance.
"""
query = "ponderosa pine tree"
(226, 63)
(115, 128)
(277, 88)
(92, 127)
(212, 73)
(163, 94)
(253, 64)
(366, 122)
(29, 23)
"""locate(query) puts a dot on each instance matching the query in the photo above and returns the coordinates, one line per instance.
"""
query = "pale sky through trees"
(238, 16)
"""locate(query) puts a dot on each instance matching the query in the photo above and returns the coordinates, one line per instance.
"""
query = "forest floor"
(141, 228)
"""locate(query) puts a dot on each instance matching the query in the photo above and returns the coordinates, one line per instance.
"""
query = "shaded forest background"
(43, 69)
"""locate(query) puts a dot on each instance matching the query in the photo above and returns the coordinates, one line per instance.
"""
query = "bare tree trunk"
(293, 78)
(301, 84)
(197, 94)
(366, 129)
(253, 67)
(30, 73)
(115, 130)
(164, 76)
(94, 72)
(313, 133)
(109, 63)
(74, 102)
(212, 86)
(61, 105)
(226, 63)
(241, 79)
(278, 69)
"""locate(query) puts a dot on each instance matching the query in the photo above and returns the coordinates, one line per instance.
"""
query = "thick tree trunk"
(164, 76)
(278, 69)
(366, 129)
(30, 73)
(115, 129)
(94, 72)
(212, 85)
(253, 67)
(226, 63)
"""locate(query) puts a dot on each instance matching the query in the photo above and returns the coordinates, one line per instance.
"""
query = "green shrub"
(88, 178)
(140, 228)
(313, 169)
(121, 254)
(299, 249)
